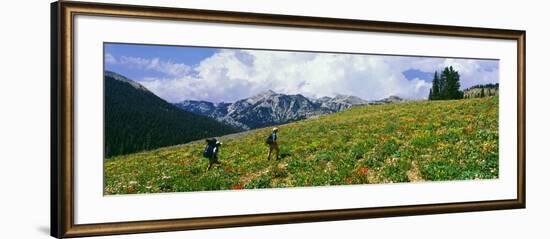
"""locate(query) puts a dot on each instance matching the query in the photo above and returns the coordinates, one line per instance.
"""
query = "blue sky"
(225, 75)
(190, 56)
(415, 73)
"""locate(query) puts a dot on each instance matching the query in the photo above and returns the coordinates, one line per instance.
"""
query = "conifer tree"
(435, 93)
(446, 85)
(453, 84)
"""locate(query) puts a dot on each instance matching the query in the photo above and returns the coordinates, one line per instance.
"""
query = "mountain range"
(136, 119)
(271, 108)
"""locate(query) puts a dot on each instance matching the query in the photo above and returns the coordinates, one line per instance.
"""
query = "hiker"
(272, 142)
(211, 152)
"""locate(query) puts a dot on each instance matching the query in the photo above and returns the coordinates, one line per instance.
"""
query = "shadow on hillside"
(284, 155)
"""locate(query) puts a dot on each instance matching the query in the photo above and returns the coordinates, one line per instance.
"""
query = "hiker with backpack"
(271, 140)
(211, 152)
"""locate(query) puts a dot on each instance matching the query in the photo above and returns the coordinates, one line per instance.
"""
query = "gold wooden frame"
(62, 121)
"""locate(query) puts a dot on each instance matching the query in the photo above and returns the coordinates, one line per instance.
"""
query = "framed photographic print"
(173, 119)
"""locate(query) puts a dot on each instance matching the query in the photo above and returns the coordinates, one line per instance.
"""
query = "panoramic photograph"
(187, 119)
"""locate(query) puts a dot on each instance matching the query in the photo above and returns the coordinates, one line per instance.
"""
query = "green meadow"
(392, 143)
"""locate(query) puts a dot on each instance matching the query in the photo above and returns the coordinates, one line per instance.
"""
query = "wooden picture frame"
(63, 120)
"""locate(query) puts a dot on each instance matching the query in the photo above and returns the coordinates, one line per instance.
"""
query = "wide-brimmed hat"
(275, 129)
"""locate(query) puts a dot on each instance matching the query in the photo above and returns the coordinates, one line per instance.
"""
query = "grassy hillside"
(407, 142)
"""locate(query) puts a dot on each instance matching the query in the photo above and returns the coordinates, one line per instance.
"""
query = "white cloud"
(472, 72)
(110, 59)
(156, 64)
(230, 75)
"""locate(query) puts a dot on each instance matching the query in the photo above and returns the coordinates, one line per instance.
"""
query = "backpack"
(269, 139)
(209, 149)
